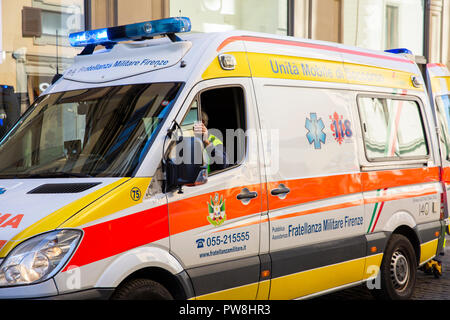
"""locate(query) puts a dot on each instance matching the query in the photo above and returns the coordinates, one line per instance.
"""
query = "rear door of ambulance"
(316, 210)
(438, 77)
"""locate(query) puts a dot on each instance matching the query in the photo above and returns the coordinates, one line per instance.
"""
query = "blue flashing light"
(399, 51)
(81, 39)
(136, 31)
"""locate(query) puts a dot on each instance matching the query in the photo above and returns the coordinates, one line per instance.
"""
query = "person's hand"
(201, 130)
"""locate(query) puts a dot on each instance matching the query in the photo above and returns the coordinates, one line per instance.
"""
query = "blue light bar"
(399, 50)
(136, 31)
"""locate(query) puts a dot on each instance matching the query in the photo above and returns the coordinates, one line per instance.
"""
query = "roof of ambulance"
(200, 49)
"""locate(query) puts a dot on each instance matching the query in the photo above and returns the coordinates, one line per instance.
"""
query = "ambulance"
(438, 84)
(317, 168)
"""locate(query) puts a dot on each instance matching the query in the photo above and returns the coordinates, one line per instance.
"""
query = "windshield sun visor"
(126, 60)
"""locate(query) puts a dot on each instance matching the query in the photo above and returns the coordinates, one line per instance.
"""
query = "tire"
(141, 289)
(398, 270)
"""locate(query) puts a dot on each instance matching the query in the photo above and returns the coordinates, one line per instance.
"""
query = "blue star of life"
(315, 127)
(2, 190)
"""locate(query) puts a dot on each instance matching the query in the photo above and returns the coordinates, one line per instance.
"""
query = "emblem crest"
(216, 210)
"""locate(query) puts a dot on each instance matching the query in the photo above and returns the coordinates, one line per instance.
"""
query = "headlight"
(38, 258)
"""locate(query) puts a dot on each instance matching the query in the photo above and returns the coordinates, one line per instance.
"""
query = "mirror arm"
(172, 129)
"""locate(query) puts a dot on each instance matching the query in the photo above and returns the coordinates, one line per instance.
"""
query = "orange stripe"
(313, 189)
(446, 174)
(397, 178)
(2, 243)
(349, 204)
(191, 213)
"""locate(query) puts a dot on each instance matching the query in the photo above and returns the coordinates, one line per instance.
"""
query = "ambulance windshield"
(100, 132)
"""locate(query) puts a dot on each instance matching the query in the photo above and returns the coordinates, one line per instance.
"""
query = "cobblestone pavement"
(427, 286)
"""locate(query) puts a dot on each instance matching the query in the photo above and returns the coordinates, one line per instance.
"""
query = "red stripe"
(2, 243)
(397, 121)
(312, 46)
(431, 65)
(112, 237)
(109, 238)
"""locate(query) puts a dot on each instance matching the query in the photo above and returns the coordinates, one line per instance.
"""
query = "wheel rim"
(399, 270)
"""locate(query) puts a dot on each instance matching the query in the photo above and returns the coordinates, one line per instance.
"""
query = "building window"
(267, 16)
(59, 17)
(401, 20)
(391, 27)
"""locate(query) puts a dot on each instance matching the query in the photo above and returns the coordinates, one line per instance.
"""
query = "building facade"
(34, 33)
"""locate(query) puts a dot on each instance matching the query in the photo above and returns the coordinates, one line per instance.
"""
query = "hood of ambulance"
(21, 209)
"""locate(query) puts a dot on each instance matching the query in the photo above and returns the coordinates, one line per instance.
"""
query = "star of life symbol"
(315, 131)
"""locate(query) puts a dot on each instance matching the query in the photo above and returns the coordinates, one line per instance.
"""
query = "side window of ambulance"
(223, 113)
(443, 112)
(392, 129)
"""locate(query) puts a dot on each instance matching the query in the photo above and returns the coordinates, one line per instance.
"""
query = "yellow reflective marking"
(373, 264)
(440, 85)
(428, 250)
(123, 197)
(263, 290)
(55, 219)
(298, 68)
(316, 280)
(247, 292)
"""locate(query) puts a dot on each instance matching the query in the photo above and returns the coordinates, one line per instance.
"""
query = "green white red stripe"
(376, 212)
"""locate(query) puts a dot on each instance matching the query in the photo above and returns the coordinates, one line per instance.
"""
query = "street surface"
(427, 286)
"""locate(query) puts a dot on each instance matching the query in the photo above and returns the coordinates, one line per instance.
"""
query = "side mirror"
(185, 166)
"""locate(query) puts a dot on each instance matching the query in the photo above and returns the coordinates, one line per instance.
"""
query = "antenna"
(57, 76)
(57, 58)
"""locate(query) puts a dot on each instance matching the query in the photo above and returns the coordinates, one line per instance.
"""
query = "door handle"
(246, 196)
(281, 191)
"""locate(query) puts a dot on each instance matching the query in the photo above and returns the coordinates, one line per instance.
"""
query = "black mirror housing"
(187, 167)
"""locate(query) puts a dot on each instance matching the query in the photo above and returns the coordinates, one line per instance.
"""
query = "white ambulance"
(317, 168)
(438, 84)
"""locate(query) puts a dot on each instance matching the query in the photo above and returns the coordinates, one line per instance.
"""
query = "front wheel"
(141, 289)
(398, 270)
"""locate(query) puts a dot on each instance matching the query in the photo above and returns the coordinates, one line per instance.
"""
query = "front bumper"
(32, 291)
(47, 290)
